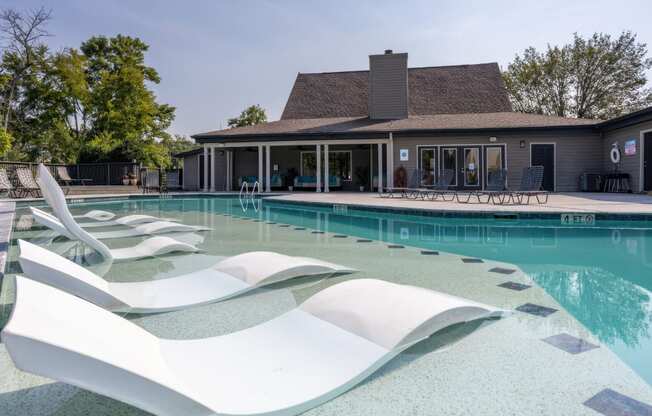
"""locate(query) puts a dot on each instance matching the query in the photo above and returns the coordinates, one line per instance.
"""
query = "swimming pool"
(597, 277)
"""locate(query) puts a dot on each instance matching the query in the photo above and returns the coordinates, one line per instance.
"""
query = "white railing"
(246, 196)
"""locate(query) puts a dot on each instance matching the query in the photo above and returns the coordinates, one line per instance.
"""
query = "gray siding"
(191, 173)
(388, 86)
(628, 164)
(575, 154)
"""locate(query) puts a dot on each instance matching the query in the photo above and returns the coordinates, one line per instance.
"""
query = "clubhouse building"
(364, 130)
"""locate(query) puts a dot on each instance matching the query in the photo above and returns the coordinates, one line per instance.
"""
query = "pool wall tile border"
(495, 215)
(500, 216)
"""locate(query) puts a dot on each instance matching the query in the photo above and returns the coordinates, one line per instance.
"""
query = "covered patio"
(300, 165)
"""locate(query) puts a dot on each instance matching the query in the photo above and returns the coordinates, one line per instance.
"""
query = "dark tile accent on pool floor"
(340, 236)
(363, 240)
(299, 228)
(317, 232)
(284, 225)
(270, 222)
(470, 260)
(514, 286)
(611, 403)
(502, 270)
(569, 343)
(395, 246)
(429, 253)
(537, 310)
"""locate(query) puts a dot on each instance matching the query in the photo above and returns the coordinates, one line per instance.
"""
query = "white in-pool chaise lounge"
(153, 246)
(105, 218)
(151, 228)
(285, 366)
(228, 278)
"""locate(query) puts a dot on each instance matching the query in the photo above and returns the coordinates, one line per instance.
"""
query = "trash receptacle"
(590, 182)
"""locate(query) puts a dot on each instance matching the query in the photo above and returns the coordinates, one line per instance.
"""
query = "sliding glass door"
(427, 166)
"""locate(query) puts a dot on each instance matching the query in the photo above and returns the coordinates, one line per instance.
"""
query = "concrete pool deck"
(557, 203)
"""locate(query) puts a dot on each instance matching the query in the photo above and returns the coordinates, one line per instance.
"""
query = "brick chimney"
(388, 86)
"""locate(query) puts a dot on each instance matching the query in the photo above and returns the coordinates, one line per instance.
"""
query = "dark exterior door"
(544, 155)
(647, 161)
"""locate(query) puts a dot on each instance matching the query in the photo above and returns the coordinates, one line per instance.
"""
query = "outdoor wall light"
(522, 144)
(492, 140)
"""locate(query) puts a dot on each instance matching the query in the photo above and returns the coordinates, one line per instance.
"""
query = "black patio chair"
(494, 189)
(410, 191)
(5, 184)
(27, 185)
(64, 176)
(441, 187)
(531, 186)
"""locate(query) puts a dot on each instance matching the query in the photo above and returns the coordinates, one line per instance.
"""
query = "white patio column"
(205, 168)
(380, 167)
(268, 182)
(318, 155)
(213, 170)
(260, 167)
(228, 170)
(326, 170)
(390, 161)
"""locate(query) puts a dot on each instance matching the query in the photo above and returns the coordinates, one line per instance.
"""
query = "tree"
(23, 34)
(599, 77)
(176, 144)
(127, 122)
(250, 116)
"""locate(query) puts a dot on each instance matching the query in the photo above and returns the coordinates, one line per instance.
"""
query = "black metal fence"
(110, 173)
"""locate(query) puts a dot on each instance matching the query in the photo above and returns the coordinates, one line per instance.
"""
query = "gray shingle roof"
(337, 125)
(432, 90)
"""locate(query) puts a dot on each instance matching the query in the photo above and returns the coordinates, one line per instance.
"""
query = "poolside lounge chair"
(153, 246)
(441, 188)
(327, 345)
(531, 186)
(5, 184)
(151, 228)
(27, 185)
(494, 189)
(228, 278)
(64, 177)
(410, 191)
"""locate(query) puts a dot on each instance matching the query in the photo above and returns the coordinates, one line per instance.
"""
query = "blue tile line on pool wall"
(515, 215)
(502, 215)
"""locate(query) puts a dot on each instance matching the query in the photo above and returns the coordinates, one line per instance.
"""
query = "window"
(428, 167)
(494, 161)
(308, 164)
(339, 164)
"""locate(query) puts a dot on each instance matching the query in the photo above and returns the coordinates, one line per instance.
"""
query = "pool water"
(597, 276)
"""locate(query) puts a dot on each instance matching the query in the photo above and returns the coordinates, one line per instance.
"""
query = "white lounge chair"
(105, 219)
(151, 228)
(150, 247)
(228, 278)
(309, 355)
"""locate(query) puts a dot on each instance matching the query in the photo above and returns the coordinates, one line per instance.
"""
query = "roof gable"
(431, 90)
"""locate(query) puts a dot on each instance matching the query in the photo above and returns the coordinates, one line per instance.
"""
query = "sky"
(217, 57)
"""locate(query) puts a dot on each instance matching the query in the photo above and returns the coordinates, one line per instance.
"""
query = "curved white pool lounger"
(154, 246)
(105, 218)
(151, 228)
(309, 355)
(228, 278)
